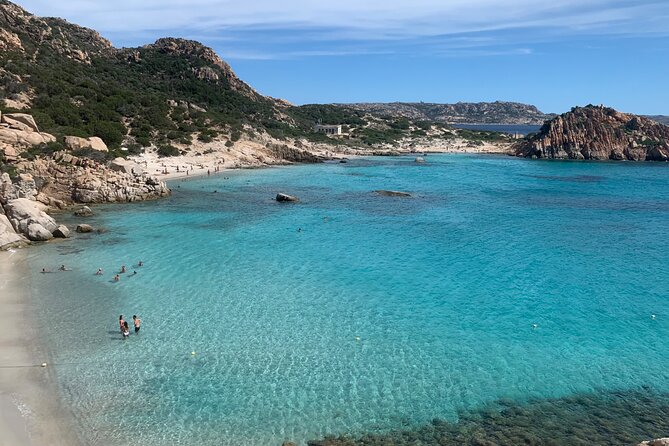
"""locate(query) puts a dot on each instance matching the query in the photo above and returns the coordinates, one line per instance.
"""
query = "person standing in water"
(126, 331)
(138, 322)
(121, 322)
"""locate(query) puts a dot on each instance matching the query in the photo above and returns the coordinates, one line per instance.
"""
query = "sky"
(554, 54)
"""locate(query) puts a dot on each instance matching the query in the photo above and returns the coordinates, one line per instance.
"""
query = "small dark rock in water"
(84, 211)
(61, 232)
(286, 198)
(392, 193)
(288, 443)
(83, 229)
(343, 160)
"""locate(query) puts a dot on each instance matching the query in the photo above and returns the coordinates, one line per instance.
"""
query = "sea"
(506, 301)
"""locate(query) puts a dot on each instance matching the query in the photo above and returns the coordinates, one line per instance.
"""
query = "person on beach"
(99, 272)
(137, 322)
(121, 322)
(126, 330)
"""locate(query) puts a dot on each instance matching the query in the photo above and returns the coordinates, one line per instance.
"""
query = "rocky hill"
(462, 112)
(598, 133)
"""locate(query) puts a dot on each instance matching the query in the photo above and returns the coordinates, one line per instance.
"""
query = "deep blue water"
(350, 312)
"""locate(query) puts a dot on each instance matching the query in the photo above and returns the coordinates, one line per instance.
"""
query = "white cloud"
(357, 20)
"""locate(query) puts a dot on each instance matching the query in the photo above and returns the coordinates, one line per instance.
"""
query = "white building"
(328, 129)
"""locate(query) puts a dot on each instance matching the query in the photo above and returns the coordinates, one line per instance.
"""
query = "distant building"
(328, 129)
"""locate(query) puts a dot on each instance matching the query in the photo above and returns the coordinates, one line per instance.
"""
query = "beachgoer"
(140, 263)
(117, 278)
(44, 270)
(134, 272)
(121, 322)
(138, 322)
(99, 272)
(126, 330)
(122, 269)
(62, 268)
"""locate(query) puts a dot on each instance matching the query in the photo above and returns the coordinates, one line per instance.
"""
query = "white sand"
(30, 412)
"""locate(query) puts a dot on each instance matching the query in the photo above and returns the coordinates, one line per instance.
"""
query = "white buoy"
(357, 338)
(535, 326)
(652, 316)
(44, 364)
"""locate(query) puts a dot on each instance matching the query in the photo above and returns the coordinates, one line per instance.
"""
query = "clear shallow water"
(381, 314)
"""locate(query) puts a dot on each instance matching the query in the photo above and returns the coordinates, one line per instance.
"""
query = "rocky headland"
(598, 133)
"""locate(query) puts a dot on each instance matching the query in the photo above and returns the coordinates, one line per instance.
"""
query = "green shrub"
(166, 150)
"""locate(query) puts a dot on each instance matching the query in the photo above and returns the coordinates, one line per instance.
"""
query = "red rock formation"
(598, 133)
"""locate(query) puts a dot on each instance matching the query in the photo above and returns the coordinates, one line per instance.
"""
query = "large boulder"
(61, 232)
(16, 137)
(8, 236)
(38, 233)
(23, 213)
(123, 165)
(83, 211)
(20, 121)
(77, 143)
(282, 198)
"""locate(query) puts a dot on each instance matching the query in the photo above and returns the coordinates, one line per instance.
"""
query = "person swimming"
(140, 263)
(99, 272)
(117, 278)
(123, 269)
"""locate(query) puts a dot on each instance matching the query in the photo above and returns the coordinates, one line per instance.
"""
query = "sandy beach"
(30, 413)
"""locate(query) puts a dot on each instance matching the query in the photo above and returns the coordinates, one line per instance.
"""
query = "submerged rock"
(392, 193)
(84, 229)
(84, 211)
(286, 198)
(656, 442)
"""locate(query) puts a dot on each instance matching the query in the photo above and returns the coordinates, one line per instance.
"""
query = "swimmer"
(44, 270)
(126, 330)
(140, 263)
(99, 272)
(137, 322)
(62, 268)
(122, 269)
(121, 322)
(117, 278)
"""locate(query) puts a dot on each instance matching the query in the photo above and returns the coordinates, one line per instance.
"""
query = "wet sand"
(30, 411)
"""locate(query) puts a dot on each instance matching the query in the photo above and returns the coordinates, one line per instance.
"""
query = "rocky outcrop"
(62, 231)
(19, 130)
(84, 211)
(656, 442)
(93, 143)
(27, 218)
(20, 121)
(126, 166)
(292, 154)
(284, 198)
(598, 133)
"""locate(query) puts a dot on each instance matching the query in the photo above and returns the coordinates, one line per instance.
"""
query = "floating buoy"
(192, 353)
(652, 316)
(357, 338)
(535, 326)
(44, 364)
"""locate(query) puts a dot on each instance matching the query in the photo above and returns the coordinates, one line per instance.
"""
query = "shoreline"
(31, 411)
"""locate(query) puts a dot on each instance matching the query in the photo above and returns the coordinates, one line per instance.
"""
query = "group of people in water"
(125, 331)
(123, 270)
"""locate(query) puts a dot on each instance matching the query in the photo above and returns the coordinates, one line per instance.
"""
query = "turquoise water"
(381, 313)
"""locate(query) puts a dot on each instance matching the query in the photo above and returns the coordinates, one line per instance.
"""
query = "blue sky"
(553, 54)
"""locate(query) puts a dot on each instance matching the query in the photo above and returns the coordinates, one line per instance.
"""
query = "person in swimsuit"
(121, 322)
(117, 278)
(138, 322)
(99, 273)
(122, 269)
(126, 331)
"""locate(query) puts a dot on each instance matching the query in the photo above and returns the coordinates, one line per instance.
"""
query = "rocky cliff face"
(598, 133)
